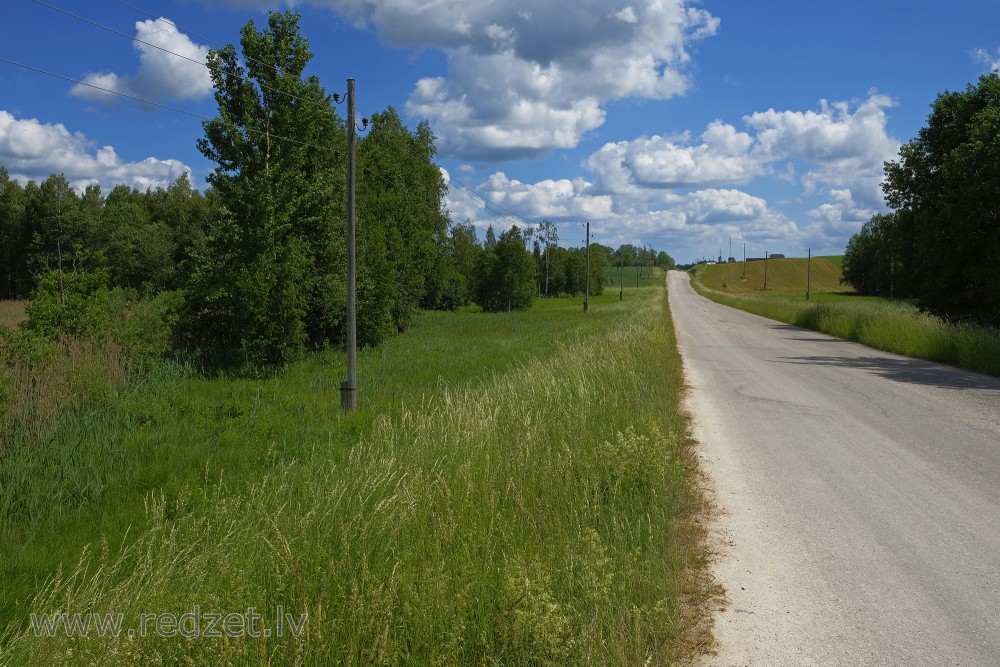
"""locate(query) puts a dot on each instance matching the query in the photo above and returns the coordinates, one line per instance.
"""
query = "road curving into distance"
(858, 495)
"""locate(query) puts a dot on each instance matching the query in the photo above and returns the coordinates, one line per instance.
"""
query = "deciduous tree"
(945, 188)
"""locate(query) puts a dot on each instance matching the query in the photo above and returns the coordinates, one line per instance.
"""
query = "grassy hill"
(784, 276)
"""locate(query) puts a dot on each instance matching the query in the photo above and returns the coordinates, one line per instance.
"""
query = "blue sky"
(670, 123)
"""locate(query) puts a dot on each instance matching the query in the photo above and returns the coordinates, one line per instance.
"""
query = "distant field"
(12, 312)
(784, 276)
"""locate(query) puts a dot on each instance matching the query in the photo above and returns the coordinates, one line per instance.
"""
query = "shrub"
(67, 303)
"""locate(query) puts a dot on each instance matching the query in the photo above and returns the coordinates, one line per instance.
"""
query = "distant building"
(776, 255)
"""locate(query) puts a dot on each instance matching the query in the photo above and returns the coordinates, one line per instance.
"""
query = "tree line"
(940, 245)
(256, 266)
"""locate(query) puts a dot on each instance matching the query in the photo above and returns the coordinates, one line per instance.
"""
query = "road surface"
(859, 495)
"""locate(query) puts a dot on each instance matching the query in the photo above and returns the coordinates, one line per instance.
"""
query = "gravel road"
(859, 495)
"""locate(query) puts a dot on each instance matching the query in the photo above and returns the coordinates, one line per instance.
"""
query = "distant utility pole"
(621, 275)
(586, 294)
(744, 260)
(809, 273)
(765, 270)
(349, 389)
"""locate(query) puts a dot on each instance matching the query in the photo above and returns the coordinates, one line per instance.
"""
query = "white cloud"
(702, 222)
(722, 158)
(846, 149)
(625, 15)
(33, 150)
(561, 199)
(835, 146)
(523, 82)
(720, 206)
(692, 189)
(551, 199)
(161, 75)
(985, 57)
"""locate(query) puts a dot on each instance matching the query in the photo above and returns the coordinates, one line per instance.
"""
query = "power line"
(171, 23)
(496, 208)
(177, 26)
(174, 53)
(490, 205)
(162, 106)
(117, 32)
(105, 90)
(366, 171)
(472, 194)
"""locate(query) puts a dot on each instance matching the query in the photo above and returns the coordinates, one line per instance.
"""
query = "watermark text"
(191, 624)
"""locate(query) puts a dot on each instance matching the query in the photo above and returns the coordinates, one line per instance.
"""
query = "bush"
(67, 303)
(78, 306)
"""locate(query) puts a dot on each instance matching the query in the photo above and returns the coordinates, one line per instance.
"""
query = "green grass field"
(893, 326)
(507, 493)
(784, 276)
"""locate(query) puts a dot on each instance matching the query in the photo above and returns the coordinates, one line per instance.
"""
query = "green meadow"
(512, 490)
(890, 325)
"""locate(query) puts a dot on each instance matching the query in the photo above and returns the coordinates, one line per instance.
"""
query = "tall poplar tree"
(271, 276)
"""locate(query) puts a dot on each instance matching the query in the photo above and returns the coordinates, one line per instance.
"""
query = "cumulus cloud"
(835, 147)
(723, 157)
(523, 82)
(846, 149)
(161, 75)
(701, 222)
(683, 186)
(559, 199)
(32, 150)
(543, 83)
(702, 216)
(550, 199)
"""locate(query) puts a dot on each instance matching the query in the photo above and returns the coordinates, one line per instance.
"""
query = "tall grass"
(892, 326)
(12, 313)
(525, 516)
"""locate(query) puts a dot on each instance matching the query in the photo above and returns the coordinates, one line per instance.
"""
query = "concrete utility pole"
(349, 389)
(809, 273)
(586, 294)
(765, 270)
(621, 275)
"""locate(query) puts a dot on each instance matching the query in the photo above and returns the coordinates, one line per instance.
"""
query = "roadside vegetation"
(890, 325)
(506, 495)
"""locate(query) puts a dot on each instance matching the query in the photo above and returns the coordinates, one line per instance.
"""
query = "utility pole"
(729, 267)
(349, 389)
(809, 273)
(765, 270)
(744, 260)
(621, 274)
(586, 294)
